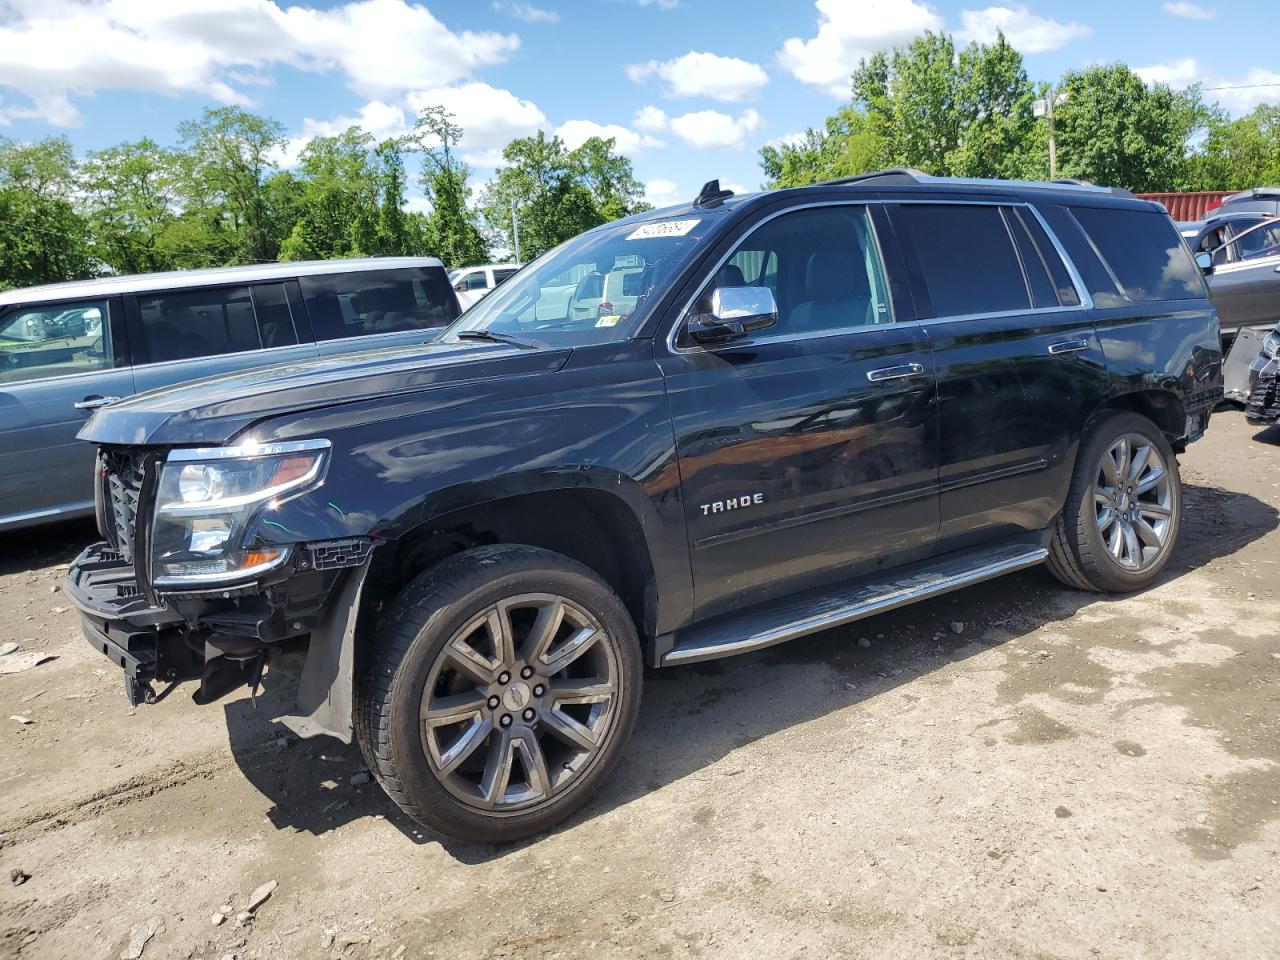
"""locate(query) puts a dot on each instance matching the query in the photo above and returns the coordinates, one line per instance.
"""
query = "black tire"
(408, 649)
(1078, 554)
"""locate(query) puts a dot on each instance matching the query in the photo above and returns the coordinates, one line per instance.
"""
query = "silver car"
(67, 349)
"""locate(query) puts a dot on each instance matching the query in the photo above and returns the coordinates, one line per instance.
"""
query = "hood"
(212, 411)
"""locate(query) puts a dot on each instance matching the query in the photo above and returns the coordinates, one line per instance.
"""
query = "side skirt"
(814, 611)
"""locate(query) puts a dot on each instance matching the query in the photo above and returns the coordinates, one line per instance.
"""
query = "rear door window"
(967, 258)
(207, 322)
(377, 301)
(53, 340)
(1144, 251)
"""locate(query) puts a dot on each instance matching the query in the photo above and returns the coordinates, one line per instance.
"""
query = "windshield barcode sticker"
(667, 228)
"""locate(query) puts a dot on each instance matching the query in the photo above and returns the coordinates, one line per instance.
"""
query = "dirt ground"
(1069, 776)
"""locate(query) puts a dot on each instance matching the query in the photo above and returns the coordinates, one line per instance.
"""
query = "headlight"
(1271, 344)
(207, 499)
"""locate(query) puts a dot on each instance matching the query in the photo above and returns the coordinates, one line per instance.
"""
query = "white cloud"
(1026, 31)
(382, 47)
(1189, 11)
(789, 140)
(490, 117)
(627, 142)
(698, 74)
(383, 120)
(848, 32)
(662, 193)
(710, 129)
(1245, 91)
(51, 108)
(660, 4)
(526, 12)
(650, 119)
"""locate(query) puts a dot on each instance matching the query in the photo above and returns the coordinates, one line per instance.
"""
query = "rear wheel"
(505, 683)
(1123, 510)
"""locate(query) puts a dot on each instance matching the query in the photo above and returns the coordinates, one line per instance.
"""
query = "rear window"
(184, 324)
(378, 301)
(967, 257)
(1145, 253)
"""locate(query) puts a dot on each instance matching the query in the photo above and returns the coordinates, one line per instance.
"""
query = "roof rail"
(892, 176)
(899, 176)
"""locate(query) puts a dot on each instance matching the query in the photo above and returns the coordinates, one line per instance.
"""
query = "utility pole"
(515, 230)
(1044, 108)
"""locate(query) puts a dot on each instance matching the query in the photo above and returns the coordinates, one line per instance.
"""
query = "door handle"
(901, 372)
(93, 403)
(1068, 346)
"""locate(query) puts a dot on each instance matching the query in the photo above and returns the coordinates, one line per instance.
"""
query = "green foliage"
(45, 238)
(451, 231)
(1238, 154)
(1113, 129)
(557, 193)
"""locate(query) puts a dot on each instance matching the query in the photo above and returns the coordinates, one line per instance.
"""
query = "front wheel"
(504, 684)
(1119, 525)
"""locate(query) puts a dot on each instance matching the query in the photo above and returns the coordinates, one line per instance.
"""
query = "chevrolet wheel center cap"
(516, 696)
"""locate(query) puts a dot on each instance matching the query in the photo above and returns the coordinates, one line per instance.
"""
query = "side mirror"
(1204, 261)
(734, 312)
(462, 286)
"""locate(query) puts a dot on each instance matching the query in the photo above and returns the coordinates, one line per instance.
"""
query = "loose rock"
(326, 939)
(243, 917)
(18, 876)
(345, 940)
(7, 648)
(262, 894)
(21, 719)
(140, 936)
(360, 779)
(218, 919)
(18, 662)
(957, 627)
(864, 642)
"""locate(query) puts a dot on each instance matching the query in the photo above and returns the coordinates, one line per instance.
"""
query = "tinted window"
(378, 301)
(1033, 265)
(823, 266)
(1097, 279)
(967, 257)
(1260, 241)
(54, 340)
(182, 324)
(475, 280)
(274, 318)
(1144, 251)
(499, 276)
(1052, 260)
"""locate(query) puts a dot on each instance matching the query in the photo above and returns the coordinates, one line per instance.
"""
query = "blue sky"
(690, 88)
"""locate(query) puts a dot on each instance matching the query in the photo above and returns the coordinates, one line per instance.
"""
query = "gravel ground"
(1068, 776)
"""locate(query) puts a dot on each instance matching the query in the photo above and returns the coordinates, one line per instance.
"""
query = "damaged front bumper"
(1263, 405)
(225, 638)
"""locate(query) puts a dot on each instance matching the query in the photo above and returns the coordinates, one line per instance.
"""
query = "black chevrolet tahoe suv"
(692, 433)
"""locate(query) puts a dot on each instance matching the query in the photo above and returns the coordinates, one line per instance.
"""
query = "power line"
(1241, 86)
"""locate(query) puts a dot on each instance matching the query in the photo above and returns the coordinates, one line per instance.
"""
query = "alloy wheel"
(519, 703)
(1134, 502)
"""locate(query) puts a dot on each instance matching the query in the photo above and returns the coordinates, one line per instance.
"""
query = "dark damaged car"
(694, 433)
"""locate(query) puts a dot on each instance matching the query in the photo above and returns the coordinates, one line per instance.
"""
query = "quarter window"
(1144, 251)
(822, 265)
(54, 340)
(967, 258)
(377, 301)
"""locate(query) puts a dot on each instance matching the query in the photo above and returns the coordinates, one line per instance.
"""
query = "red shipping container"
(1189, 206)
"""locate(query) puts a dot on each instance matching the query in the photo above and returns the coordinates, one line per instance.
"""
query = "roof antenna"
(711, 195)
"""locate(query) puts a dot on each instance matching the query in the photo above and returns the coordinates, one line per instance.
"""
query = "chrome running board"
(839, 604)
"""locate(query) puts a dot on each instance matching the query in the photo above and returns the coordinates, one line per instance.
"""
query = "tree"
(450, 231)
(46, 240)
(337, 200)
(1238, 154)
(130, 193)
(847, 145)
(231, 153)
(995, 101)
(609, 178)
(1113, 129)
(557, 193)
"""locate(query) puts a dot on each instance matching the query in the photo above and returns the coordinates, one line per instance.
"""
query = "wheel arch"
(1164, 408)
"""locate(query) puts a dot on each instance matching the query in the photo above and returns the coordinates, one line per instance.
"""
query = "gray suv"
(67, 349)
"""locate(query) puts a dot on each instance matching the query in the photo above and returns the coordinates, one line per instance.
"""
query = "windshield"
(592, 289)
